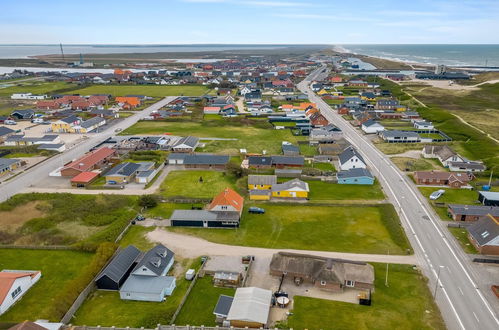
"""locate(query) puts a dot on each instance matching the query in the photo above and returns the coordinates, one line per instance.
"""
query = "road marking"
(460, 290)
(476, 317)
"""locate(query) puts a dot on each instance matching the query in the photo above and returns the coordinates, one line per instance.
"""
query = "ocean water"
(451, 55)
(23, 51)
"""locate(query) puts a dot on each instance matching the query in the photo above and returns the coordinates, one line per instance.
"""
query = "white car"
(9, 122)
(437, 194)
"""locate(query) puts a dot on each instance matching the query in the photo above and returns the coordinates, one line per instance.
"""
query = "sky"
(249, 21)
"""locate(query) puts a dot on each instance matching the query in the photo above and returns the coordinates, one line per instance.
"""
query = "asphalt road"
(42, 170)
(465, 301)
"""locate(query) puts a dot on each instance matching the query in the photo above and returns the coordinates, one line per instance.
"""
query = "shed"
(250, 308)
(116, 272)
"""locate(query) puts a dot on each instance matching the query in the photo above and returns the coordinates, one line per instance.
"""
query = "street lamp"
(436, 284)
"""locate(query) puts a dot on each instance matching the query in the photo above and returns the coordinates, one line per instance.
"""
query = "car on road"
(437, 194)
(256, 210)
(118, 130)
(140, 217)
(9, 122)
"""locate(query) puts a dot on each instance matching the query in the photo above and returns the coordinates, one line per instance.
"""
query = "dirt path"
(240, 105)
(190, 247)
(446, 84)
(481, 131)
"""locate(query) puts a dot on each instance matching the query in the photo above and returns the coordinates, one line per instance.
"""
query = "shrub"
(148, 201)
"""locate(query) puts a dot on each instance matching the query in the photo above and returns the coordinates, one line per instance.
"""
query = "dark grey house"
(116, 272)
(204, 219)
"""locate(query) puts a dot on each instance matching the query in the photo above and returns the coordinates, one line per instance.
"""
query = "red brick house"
(484, 235)
(437, 178)
(93, 160)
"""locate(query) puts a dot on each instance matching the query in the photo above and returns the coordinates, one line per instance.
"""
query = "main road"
(42, 170)
(464, 301)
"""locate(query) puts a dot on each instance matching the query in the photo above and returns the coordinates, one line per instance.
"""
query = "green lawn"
(105, 308)
(431, 135)
(136, 236)
(153, 91)
(323, 191)
(405, 304)
(35, 87)
(187, 184)
(57, 267)
(452, 196)
(255, 136)
(165, 210)
(461, 234)
(361, 229)
(326, 167)
(419, 164)
(199, 306)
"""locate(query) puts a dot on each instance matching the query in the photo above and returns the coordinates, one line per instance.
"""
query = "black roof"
(159, 252)
(348, 153)
(5, 130)
(484, 230)
(223, 305)
(120, 264)
(288, 160)
(260, 160)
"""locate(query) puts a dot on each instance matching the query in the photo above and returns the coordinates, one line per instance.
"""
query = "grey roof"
(7, 162)
(145, 166)
(157, 252)
(70, 119)
(290, 147)
(395, 133)
(5, 130)
(484, 231)
(92, 121)
(27, 113)
(348, 153)
(251, 304)
(288, 160)
(144, 174)
(223, 305)
(370, 122)
(262, 179)
(468, 165)
(186, 215)
(260, 160)
(50, 146)
(355, 173)
(147, 284)
(120, 264)
(123, 169)
(479, 210)
(200, 159)
(490, 195)
(190, 141)
(295, 183)
(259, 192)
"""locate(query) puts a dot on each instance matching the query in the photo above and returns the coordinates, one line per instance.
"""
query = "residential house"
(318, 120)
(227, 201)
(287, 161)
(202, 161)
(117, 271)
(22, 140)
(148, 280)
(289, 149)
(5, 132)
(438, 178)
(88, 125)
(459, 212)
(84, 179)
(294, 188)
(250, 308)
(326, 134)
(371, 126)
(65, 125)
(350, 159)
(394, 136)
(386, 104)
(128, 102)
(211, 110)
(260, 162)
(94, 160)
(467, 166)
(8, 165)
(23, 114)
(424, 125)
(324, 273)
(14, 284)
(261, 182)
(489, 198)
(27, 96)
(443, 153)
(122, 173)
(484, 235)
(355, 176)
(186, 144)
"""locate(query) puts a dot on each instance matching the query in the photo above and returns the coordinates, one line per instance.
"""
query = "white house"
(371, 127)
(423, 125)
(27, 96)
(350, 159)
(14, 284)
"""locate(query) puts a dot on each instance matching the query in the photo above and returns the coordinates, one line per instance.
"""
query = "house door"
(463, 217)
(205, 224)
(293, 194)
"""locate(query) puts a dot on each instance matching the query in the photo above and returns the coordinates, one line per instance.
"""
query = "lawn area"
(405, 304)
(397, 148)
(323, 191)
(307, 227)
(187, 184)
(165, 210)
(461, 234)
(431, 135)
(419, 164)
(57, 266)
(64, 219)
(326, 167)
(199, 306)
(35, 87)
(148, 90)
(105, 308)
(136, 236)
(254, 135)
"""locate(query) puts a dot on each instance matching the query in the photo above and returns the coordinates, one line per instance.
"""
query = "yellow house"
(9, 164)
(261, 182)
(401, 108)
(259, 195)
(291, 189)
(65, 125)
(322, 92)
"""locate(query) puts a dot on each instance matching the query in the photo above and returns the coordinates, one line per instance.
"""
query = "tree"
(148, 201)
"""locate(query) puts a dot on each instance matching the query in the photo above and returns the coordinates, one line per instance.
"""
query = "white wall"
(25, 283)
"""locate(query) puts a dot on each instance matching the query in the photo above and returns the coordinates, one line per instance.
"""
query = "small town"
(246, 186)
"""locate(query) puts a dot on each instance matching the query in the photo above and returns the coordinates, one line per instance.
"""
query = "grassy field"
(461, 234)
(405, 304)
(148, 90)
(57, 267)
(136, 236)
(63, 219)
(322, 191)
(199, 306)
(105, 308)
(254, 135)
(360, 229)
(35, 87)
(420, 164)
(188, 184)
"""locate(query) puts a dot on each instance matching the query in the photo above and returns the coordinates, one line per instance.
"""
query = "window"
(128, 295)
(350, 284)
(485, 234)
(16, 292)
(323, 282)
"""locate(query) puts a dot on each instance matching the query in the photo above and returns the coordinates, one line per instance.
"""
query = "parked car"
(437, 194)
(118, 130)
(140, 217)
(257, 210)
(37, 120)
(9, 122)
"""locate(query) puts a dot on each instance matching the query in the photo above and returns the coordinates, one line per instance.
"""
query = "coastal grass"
(405, 304)
(35, 87)
(188, 184)
(136, 236)
(147, 90)
(415, 164)
(199, 306)
(58, 267)
(313, 227)
(323, 191)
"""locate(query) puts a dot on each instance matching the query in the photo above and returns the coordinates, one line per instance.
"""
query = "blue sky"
(249, 21)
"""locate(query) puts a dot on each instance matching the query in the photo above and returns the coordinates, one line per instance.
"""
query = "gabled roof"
(485, 231)
(288, 160)
(262, 179)
(27, 325)
(92, 121)
(7, 279)
(490, 195)
(371, 122)
(190, 141)
(223, 305)
(147, 284)
(5, 130)
(348, 153)
(354, 173)
(123, 169)
(228, 197)
(250, 304)
(478, 210)
(260, 160)
(295, 184)
(90, 159)
(200, 159)
(159, 252)
(120, 264)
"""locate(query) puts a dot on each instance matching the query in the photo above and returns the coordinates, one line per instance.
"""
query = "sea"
(450, 55)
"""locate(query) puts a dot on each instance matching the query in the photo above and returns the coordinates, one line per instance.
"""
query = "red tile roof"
(8, 278)
(84, 177)
(90, 159)
(228, 197)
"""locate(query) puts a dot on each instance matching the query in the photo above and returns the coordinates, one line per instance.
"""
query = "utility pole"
(62, 51)
(436, 284)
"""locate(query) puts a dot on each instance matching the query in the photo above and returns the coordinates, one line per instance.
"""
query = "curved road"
(42, 170)
(465, 302)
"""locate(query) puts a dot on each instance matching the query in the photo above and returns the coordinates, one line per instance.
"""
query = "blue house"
(355, 176)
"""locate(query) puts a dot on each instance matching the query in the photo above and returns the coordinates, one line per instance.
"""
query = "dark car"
(256, 210)
(140, 217)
